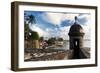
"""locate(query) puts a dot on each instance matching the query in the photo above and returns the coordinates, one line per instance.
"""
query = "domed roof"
(76, 30)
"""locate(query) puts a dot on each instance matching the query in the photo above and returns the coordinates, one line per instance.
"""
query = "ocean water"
(86, 43)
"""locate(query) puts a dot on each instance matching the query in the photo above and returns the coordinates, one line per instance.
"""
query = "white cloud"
(40, 31)
(61, 32)
(87, 17)
(70, 16)
(87, 25)
(51, 32)
(64, 32)
(57, 18)
(65, 28)
(87, 31)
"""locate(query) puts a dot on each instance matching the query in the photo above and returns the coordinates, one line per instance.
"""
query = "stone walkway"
(45, 54)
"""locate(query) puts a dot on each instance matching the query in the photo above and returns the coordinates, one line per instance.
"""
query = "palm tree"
(31, 36)
(32, 19)
(29, 19)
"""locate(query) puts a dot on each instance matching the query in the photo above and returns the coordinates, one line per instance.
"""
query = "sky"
(57, 24)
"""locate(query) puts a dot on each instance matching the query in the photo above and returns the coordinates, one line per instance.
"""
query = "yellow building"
(31, 40)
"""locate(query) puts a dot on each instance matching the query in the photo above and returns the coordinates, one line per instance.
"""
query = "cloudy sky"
(55, 24)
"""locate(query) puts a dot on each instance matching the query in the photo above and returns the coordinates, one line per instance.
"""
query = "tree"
(51, 41)
(28, 19)
(41, 38)
(60, 39)
(33, 35)
(34, 39)
(26, 29)
(32, 19)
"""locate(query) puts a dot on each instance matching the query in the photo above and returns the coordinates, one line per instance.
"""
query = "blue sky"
(55, 24)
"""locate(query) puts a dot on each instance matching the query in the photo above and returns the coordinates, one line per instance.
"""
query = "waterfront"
(54, 52)
(86, 44)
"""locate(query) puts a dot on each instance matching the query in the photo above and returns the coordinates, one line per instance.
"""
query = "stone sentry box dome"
(76, 34)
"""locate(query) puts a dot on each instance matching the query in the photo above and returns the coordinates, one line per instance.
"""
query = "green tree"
(28, 19)
(60, 39)
(41, 38)
(32, 19)
(33, 35)
(51, 41)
